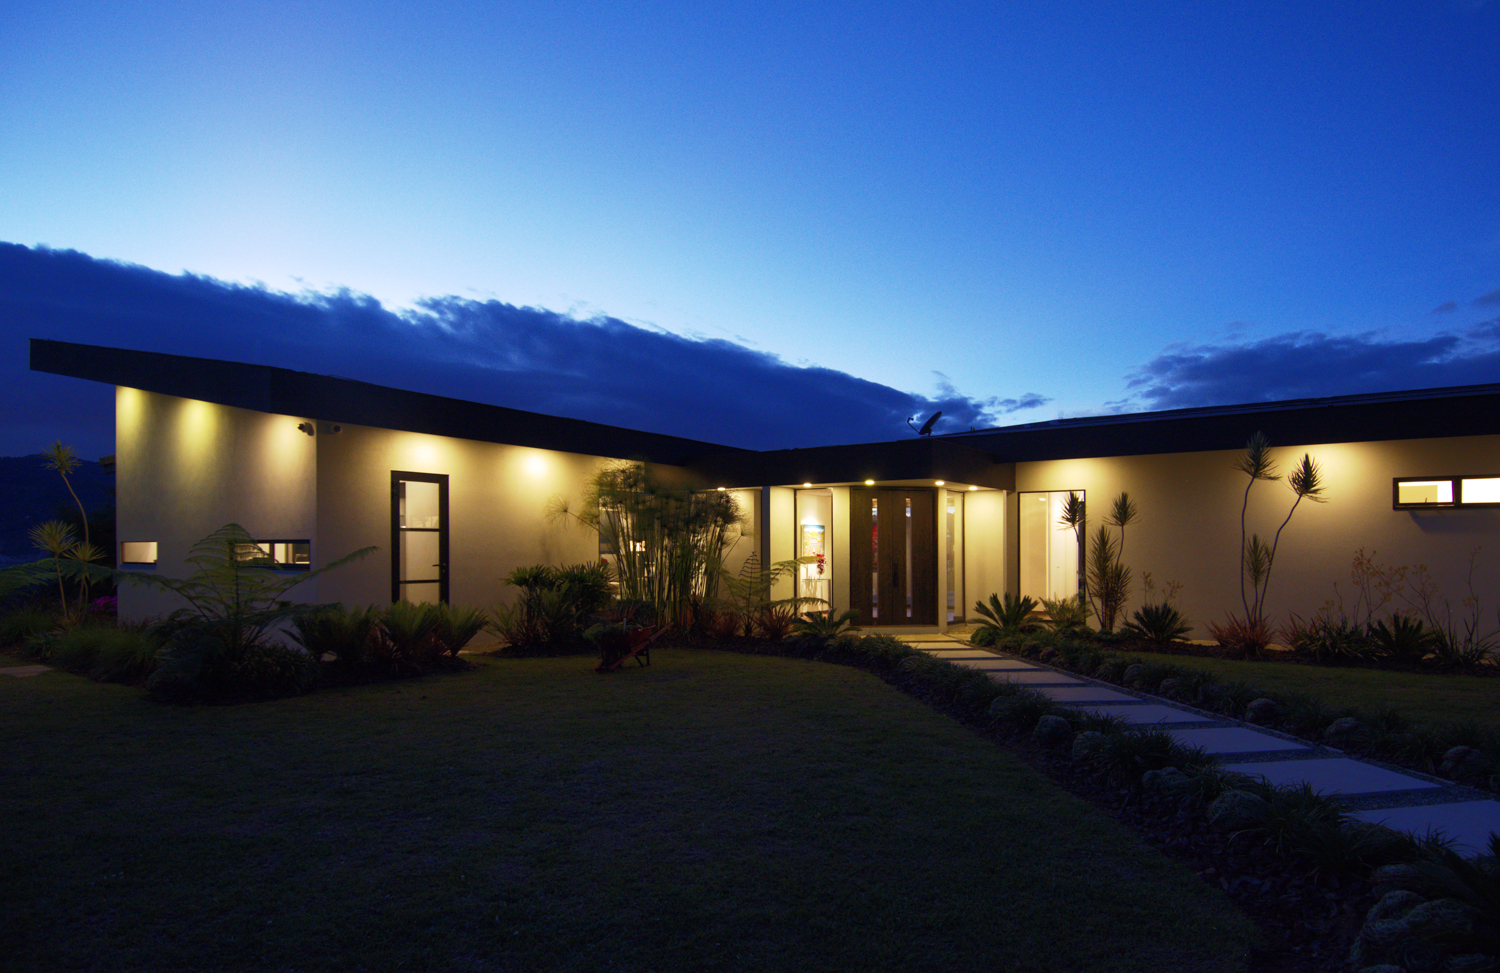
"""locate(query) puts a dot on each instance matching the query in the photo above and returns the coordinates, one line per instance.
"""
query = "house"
(911, 532)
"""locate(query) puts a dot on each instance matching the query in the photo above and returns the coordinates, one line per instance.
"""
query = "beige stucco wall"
(184, 468)
(1189, 524)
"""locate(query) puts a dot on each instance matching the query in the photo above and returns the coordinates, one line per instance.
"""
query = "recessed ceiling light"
(869, 483)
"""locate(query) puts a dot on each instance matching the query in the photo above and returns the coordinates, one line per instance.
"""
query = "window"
(283, 555)
(138, 552)
(1416, 493)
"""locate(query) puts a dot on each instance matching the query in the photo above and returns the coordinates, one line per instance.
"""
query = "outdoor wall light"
(869, 483)
(721, 489)
(973, 488)
(941, 482)
(805, 485)
(306, 427)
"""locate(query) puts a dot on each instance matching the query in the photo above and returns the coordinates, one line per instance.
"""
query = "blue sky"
(1078, 207)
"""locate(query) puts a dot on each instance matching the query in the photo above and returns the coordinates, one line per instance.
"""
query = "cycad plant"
(1159, 623)
(1008, 616)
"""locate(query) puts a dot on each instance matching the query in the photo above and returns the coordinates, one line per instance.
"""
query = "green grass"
(1420, 697)
(711, 812)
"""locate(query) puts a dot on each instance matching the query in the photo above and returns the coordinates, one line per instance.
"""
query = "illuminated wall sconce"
(941, 482)
(721, 489)
(973, 488)
(806, 485)
(869, 483)
(306, 427)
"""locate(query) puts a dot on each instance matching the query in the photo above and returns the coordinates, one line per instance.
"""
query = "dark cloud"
(1311, 365)
(1445, 307)
(601, 369)
(1492, 298)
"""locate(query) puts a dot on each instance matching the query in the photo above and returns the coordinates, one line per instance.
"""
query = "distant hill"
(30, 493)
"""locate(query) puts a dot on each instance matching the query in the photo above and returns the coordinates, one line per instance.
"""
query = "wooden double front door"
(893, 556)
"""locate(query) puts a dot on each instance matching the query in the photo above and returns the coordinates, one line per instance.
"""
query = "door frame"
(441, 479)
(923, 555)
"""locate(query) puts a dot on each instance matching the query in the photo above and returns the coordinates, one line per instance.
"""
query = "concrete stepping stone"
(1032, 677)
(1334, 775)
(993, 664)
(1468, 823)
(22, 671)
(1148, 713)
(1084, 694)
(1234, 739)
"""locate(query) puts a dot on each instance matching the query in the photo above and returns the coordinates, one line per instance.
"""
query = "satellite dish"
(926, 429)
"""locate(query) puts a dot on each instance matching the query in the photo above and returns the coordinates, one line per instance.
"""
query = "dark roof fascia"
(282, 391)
(905, 459)
(1426, 414)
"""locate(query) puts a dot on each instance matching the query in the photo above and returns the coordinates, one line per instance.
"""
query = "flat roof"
(266, 388)
(982, 457)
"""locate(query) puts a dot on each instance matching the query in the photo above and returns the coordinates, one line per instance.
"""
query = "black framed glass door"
(419, 537)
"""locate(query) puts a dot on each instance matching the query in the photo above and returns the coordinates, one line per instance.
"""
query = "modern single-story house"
(912, 532)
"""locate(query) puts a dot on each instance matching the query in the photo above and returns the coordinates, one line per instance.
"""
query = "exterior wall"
(499, 499)
(1188, 528)
(185, 468)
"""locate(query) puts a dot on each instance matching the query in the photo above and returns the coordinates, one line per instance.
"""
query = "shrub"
(1245, 638)
(107, 652)
(1326, 638)
(456, 627)
(19, 625)
(405, 636)
(1064, 614)
(1008, 616)
(555, 607)
(348, 634)
(1125, 756)
(1404, 639)
(1158, 623)
(816, 629)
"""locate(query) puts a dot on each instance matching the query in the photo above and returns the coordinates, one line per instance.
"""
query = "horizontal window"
(1413, 493)
(280, 555)
(138, 552)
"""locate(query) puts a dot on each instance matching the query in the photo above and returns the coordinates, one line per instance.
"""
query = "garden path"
(1398, 798)
(24, 670)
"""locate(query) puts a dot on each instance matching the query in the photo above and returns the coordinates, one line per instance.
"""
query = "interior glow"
(1479, 489)
(138, 552)
(1424, 491)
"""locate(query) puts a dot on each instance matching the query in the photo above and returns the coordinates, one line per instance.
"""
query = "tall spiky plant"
(1256, 556)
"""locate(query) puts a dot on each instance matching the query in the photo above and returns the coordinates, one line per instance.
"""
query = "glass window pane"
(138, 552)
(419, 594)
(1479, 490)
(419, 555)
(419, 503)
(1424, 491)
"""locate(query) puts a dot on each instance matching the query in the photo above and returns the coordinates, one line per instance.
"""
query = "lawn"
(1423, 698)
(713, 812)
